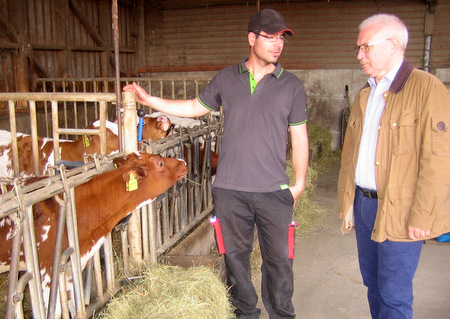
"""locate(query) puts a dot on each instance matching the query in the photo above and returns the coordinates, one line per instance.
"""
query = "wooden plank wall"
(73, 38)
(212, 37)
(440, 57)
(63, 38)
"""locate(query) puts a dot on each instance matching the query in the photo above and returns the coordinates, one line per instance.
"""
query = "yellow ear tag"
(86, 141)
(132, 184)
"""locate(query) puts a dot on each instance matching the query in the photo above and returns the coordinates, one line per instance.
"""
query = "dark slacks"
(239, 212)
(387, 268)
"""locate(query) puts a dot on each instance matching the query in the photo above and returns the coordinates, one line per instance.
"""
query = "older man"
(394, 183)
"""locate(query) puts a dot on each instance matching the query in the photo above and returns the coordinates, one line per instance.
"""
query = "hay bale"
(172, 292)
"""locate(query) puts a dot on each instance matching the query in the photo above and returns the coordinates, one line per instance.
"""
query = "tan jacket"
(412, 161)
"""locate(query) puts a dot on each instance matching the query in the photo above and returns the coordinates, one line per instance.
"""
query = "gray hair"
(391, 26)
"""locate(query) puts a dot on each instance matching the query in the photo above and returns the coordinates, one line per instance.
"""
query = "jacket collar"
(400, 79)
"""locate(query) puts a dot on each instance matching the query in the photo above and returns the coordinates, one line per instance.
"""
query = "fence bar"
(152, 211)
(55, 126)
(56, 259)
(31, 257)
(13, 130)
(14, 268)
(70, 97)
(75, 258)
(34, 136)
(103, 128)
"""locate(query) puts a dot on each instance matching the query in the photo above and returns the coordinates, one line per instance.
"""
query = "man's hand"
(296, 190)
(141, 94)
(416, 233)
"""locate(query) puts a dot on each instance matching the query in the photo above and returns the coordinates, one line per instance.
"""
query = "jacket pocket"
(399, 209)
(440, 136)
(403, 133)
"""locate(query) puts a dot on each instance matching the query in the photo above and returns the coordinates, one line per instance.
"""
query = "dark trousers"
(239, 212)
(387, 268)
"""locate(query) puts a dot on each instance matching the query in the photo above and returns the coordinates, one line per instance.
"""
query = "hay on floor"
(169, 292)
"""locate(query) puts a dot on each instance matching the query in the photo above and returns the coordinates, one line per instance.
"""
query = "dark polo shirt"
(253, 150)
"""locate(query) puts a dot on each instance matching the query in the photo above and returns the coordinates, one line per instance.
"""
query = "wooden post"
(20, 62)
(130, 145)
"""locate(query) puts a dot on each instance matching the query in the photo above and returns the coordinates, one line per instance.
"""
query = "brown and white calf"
(72, 151)
(100, 204)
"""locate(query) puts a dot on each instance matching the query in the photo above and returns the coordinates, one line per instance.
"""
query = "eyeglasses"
(366, 47)
(272, 38)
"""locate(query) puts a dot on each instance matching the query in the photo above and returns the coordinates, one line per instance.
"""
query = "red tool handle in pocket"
(291, 239)
(218, 230)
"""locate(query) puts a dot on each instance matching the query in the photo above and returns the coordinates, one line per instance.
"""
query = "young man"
(394, 183)
(261, 102)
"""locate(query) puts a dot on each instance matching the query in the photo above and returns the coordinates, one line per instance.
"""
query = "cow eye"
(161, 162)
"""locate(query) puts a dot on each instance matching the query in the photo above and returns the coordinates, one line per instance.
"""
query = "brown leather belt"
(367, 192)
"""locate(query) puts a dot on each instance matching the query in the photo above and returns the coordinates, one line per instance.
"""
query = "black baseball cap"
(269, 21)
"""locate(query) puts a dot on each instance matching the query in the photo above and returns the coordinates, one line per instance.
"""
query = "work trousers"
(238, 213)
(387, 268)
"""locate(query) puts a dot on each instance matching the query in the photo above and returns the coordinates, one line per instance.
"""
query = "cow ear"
(118, 161)
(136, 171)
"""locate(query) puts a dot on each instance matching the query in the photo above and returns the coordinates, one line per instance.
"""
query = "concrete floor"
(328, 283)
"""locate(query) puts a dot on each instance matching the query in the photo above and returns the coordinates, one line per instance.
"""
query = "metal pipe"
(427, 53)
(31, 258)
(14, 268)
(115, 18)
(34, 137)
(428, 32)
(51, 96)
(56, 259)
(75, 258)
(109, 263)
(13, 130)
(98, 274)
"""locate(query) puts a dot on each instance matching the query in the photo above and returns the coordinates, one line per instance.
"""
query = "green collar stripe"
(279, 74)
(293, 124)
(201, 102)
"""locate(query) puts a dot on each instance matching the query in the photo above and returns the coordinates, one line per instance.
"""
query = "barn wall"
(440, 57)
(320, 53)
(74, 38)
(210, 38)
(63, 38)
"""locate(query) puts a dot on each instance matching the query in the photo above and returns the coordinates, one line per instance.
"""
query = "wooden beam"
(91, 29)
(86, 23)
(14, 36)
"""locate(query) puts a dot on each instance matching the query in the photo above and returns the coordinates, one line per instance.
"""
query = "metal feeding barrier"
(163, 222)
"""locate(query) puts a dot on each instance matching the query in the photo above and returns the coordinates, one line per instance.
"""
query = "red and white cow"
(154, 129)
(97, 214)
(178, 122)
(68, 150)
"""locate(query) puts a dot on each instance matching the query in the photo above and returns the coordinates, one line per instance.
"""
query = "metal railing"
(163, 223)
(167, 86)
(57, 100)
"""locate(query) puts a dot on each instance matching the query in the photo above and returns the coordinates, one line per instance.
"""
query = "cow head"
(152, 172)
(155, 128)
